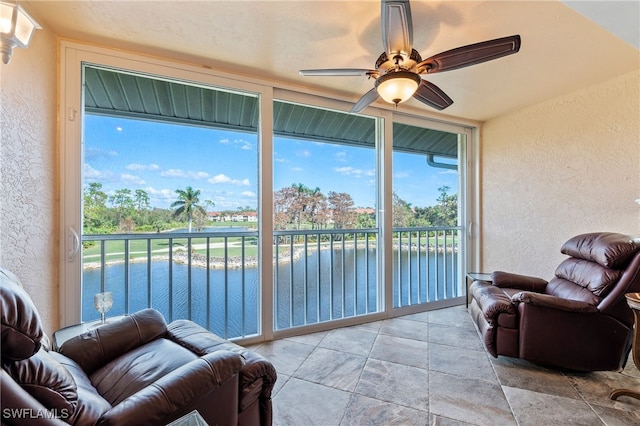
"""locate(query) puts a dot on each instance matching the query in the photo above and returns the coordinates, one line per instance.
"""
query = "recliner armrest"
(95, 348)
(554, 302)
(519, 282)
(176, 392)
(201, 341)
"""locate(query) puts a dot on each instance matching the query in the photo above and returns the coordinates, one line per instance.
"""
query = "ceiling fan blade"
(430, 94)
(397, 28)
(470, 55)
(365, 100)
(330, 72)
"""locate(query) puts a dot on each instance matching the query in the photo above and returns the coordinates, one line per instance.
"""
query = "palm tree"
(187, 203)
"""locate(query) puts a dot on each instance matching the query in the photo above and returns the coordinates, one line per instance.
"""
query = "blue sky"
(223, 165)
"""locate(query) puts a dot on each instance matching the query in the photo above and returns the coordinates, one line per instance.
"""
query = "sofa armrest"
(97, 347)
(553, 302)
(519, 282)
(177, 393)
(201, 341)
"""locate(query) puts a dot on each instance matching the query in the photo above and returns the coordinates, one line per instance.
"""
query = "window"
(325, 215)
(426, 215)
(170, 190)
(291, 201)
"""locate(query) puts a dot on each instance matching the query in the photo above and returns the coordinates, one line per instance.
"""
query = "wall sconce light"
(16, 29)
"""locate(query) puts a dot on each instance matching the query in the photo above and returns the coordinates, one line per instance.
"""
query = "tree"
(402, 212)
(366, 220)
(448, 214)
(123, 203)
(187, 203)
(141, 200)
(96, 217)
(283, 211)
(445, 213)
(300, 205)
(341, 206)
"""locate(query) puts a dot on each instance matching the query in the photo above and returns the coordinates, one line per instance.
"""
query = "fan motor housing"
(384, 64)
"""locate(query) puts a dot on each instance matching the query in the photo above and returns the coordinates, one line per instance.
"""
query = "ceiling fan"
(399, 68)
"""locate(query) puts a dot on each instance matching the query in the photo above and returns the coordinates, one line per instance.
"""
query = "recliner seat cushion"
(609, 249)
(139, 368)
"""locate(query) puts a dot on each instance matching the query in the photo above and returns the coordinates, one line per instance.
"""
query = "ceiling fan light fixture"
(397, 86)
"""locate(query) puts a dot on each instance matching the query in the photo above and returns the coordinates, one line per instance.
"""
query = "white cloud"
(297, 169)
(341, 156)
(248, 194)
(179, 173)
(222, 178)
(132, 179)
(93, 153)
(163, 195)
(94, 174)
(350, 171)
(305, 153)
(142, 167)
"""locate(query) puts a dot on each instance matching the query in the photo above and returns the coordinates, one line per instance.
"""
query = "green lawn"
(160, 247)
(138, 248)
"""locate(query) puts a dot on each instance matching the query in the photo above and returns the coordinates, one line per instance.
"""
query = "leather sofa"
(135, 371)
(579, 320)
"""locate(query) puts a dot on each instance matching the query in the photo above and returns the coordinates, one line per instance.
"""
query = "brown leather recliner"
(578, 321)
(138, 371)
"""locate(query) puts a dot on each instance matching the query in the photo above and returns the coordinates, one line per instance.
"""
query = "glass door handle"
(74, 244)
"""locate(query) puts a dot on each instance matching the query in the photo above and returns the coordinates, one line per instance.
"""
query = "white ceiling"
(562, 50)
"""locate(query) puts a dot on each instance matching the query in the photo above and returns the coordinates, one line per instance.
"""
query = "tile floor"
(431, 369)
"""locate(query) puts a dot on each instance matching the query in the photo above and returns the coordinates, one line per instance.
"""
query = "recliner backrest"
(602, 268)
(20, 324)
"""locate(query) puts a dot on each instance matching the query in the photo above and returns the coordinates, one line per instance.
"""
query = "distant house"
(365, 210)
(251, 216)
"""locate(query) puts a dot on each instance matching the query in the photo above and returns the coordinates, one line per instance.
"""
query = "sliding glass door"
(170, 213)
(428, 249)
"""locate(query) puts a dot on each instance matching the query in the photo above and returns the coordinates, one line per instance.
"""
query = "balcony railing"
(212, 278)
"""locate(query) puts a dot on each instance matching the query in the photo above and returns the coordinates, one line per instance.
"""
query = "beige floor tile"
(464, 363)
(285, 355)
(353, 340)
(367, 411)
(534, 409)
(468, 400)
(332, 368)
(396, 383)
(309, 404)
(398, 327)
(401, 351)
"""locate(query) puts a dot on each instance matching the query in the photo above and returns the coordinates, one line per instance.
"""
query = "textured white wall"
(564, 167)
(28, 162)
